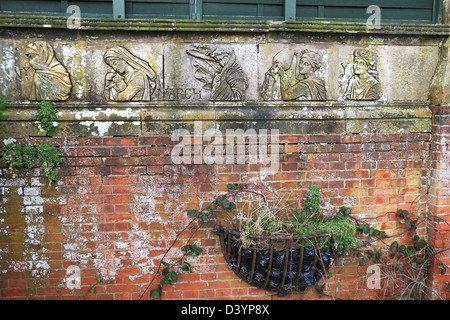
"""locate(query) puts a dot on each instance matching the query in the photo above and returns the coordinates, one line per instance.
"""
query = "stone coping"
(32, 21)
(144, 119)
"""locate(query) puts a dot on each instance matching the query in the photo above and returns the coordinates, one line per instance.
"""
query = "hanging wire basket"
(276, 263)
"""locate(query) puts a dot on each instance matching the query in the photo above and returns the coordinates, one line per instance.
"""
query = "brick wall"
(120, 202)
(439, 196)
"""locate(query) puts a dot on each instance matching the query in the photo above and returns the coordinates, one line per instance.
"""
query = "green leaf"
(172, 276)
(165, 271)
(377, 255)
(3, 103)
(226, 203)
(418, 245)
(156, 293)
(192, 213)
(186, 267)
(92, 289)
(363, 261)
(408, 224)
(99, 279)
(214, 213)
(165, 281)
(402, 213)
(366, 228)
(394, 246)
(442, 267)
(192, 249)
(205, 217)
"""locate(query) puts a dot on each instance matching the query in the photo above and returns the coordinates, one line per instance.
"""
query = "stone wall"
(350, 108)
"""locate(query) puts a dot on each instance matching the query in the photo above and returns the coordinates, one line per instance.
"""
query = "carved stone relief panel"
(293, 76)
(359, 78)
(98, 71)
(130, 78)
(42, 75)
(219, 71)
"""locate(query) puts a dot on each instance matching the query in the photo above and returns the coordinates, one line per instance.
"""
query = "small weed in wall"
(2, 103)
(46, 116)
(15, 156)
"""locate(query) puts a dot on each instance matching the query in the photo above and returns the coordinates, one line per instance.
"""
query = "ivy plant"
(168, 274)
(344, 228)
(407, 264)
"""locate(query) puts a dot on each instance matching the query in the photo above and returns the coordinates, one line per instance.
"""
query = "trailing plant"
(405, 267)
(307, 220)
(263, 221)
(46, 116)
(12, 155)
(98, 281)
(29, 156)
(49, 157)
(16, 156)
(3, 103)
(198, 218)
(312, 199)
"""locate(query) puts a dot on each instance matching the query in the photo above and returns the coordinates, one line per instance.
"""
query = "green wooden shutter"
(243, 10)
(89, 8)
(172, 9)
(392, 11)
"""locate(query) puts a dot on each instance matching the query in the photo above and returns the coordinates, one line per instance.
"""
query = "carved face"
(360, 66)
(305, 67)
(223, 59)
(118, 65)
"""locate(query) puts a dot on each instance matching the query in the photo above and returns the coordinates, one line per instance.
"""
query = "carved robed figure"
(364, 81)
(50, 81)
(132, 78)
(292, 76)
(219, 71)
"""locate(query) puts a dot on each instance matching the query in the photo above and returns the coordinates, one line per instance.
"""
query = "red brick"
(119, 198)
(120, 180)
(120, 141)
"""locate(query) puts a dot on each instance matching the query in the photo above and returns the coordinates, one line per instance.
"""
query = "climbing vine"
(407, 263)
(198, 219)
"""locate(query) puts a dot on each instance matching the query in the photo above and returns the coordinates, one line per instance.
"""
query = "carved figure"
(293, 77)
(363, 83)
(219, 71)
(132, 79)
(50, 81)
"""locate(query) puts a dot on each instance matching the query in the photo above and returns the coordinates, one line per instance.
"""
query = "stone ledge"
(128, 119)
(31, 21)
